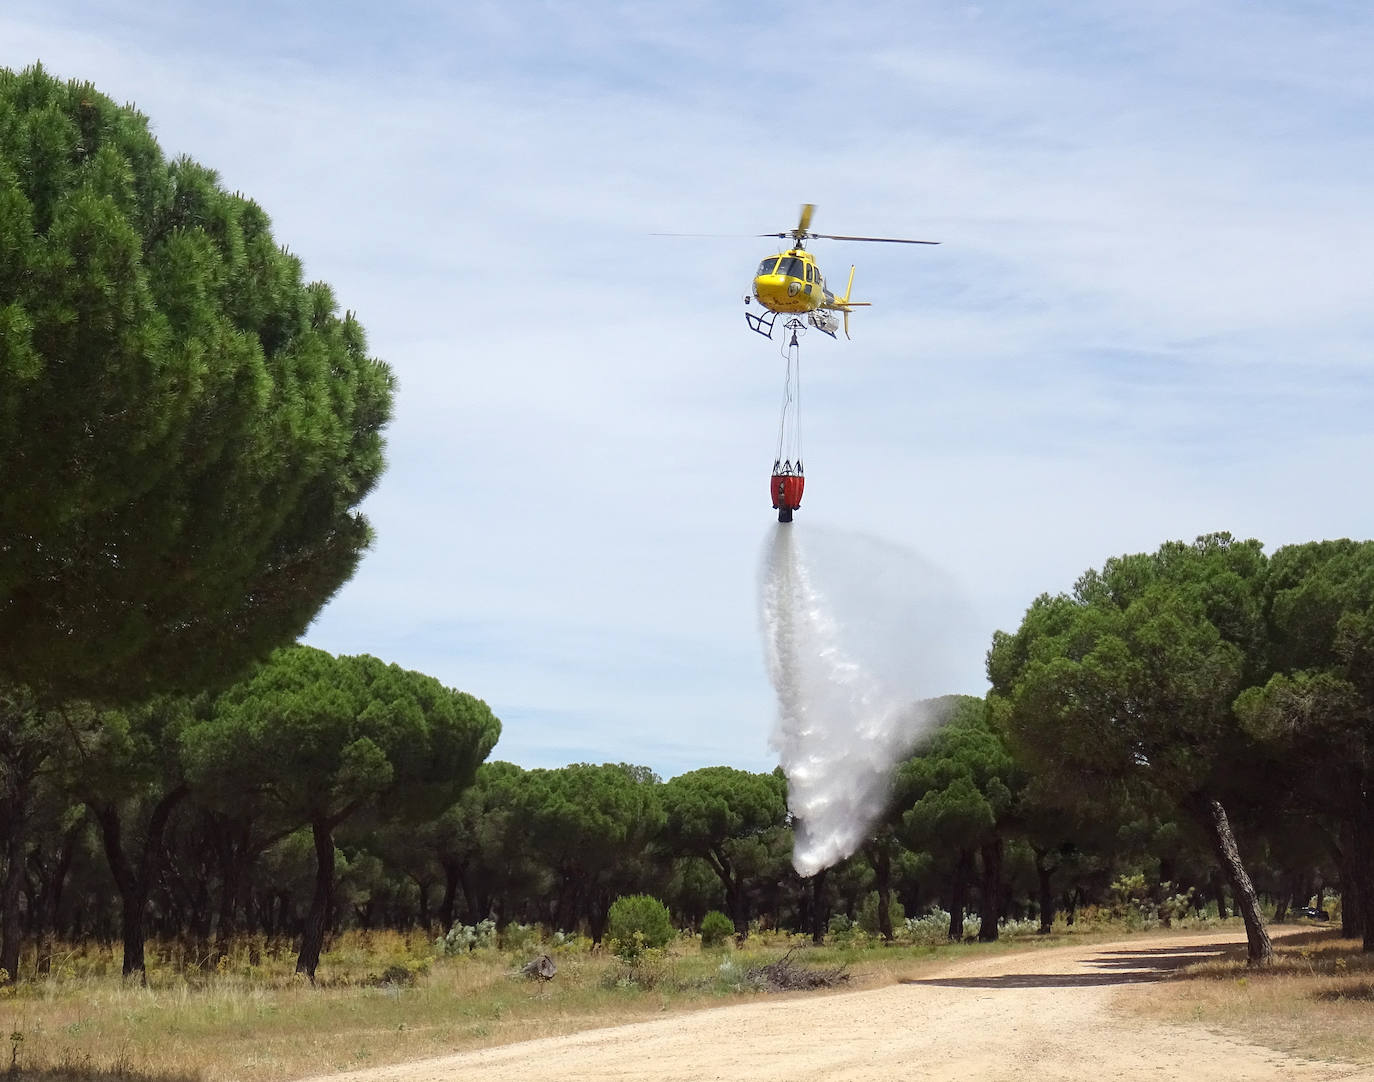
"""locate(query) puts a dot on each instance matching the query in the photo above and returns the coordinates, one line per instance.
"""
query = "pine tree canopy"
(186, 426)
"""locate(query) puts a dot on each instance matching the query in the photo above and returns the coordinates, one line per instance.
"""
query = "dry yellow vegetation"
(1317, 1000)
(388, 998)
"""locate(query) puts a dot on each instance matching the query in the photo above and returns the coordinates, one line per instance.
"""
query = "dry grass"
(253, 1020)
(250, 1028)
(1317, 1000)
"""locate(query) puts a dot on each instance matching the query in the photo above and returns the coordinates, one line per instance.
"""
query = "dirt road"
(1057, 1014)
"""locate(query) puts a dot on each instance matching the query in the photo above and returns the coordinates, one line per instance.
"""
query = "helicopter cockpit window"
(790, 266)
(766, 267)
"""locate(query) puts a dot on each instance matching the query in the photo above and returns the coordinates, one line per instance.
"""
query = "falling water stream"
(855, 632)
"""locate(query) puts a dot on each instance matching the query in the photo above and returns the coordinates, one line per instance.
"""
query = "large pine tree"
(186, 426)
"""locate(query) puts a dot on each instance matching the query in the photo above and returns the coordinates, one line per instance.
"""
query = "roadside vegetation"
(1317, 1000)
(392, 997)
(389, 997)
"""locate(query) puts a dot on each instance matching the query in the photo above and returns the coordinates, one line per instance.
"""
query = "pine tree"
(186, 426)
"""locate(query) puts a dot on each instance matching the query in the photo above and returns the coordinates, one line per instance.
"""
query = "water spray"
(854, 633)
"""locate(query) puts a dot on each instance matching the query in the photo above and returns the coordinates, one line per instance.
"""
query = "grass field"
(385, 998)
(1317, 1001)
(255, 1020)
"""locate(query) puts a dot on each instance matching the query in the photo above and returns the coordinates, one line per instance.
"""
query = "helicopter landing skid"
(762, 323)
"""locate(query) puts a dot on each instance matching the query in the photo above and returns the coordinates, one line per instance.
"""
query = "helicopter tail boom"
(845, 305)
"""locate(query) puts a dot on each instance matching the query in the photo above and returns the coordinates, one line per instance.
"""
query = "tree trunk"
(568, 905)
(819, 917)
(316, 921)
(1071, 900)
(739, 906)
(1286, 891)
(1219, 893)
(598, 914)
(135, 882)
(735, 898)
(422, 886)
(55, 881)
(478, 898)
(1259, 951)
(958, 886)
(882, 867)
(446, 905)
(992, 891)
(1362, 860)
(226, 924)
(1044, 873)
(17, 817)
(1352, 904)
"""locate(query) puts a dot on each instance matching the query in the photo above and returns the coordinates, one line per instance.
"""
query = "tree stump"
(542, 968)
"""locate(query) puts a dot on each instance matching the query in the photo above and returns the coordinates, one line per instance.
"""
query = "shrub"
(462, 938)
(569, 941)
(868, 914)
(716, 928)
(1011, 927)
(843, 932)
(517, 937)
(400, 974)
(1175, 906)
(1130, 899)
(927, 930)
(933, 928)
(637, 921)
(648, 970)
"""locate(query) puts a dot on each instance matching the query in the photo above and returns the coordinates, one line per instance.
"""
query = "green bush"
(517, 937)
(462, 938)
(716, 928)
(636, 922)
(868, 914)
(927, 930)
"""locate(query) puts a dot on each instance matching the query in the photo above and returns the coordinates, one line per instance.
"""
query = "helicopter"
(790, 283)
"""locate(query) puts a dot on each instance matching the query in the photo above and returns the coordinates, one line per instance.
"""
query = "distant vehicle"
(1313, 912)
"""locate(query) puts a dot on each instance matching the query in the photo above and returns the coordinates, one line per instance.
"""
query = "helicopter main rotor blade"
(872, 240)
(836, 236)
(807, 210)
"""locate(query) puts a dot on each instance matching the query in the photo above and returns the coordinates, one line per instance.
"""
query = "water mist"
(855, 631)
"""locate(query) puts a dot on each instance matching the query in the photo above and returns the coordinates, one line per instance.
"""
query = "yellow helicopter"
(790, 282)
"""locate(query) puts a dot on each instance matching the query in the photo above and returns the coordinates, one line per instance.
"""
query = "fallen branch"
(784, 975)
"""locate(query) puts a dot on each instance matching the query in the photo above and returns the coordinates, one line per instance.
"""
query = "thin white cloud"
(1148, 319)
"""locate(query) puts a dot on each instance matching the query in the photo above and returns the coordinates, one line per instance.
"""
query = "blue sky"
(1149, 318)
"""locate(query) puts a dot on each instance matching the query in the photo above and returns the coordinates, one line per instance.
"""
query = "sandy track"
(1055, 1014)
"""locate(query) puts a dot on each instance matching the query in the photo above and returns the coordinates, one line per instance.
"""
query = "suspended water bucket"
(786, 490)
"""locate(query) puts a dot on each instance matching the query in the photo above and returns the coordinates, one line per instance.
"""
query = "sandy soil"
(1055, 1014)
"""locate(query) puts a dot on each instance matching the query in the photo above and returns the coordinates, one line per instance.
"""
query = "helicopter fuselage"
(791, 283)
